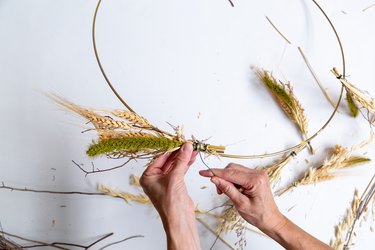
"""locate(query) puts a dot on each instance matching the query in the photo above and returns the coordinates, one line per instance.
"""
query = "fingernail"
(187, 147)
(215, 181)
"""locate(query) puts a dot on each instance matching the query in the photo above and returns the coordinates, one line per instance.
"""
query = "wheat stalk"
(128, 197)
(341, 158)
(274, 170)
(358, 95)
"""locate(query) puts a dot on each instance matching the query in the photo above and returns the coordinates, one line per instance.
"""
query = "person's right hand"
(250, 193)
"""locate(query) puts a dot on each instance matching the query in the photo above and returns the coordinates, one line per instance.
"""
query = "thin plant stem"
(3, 186)
(316, 78)
(369, 7)
(120, 241)
(212, 231)
(277, 30)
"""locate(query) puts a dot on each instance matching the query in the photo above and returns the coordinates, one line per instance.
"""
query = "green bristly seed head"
(278, 91)
(352, 106)
(134, 144)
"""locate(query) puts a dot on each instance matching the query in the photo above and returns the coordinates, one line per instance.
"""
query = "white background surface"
(183, 62)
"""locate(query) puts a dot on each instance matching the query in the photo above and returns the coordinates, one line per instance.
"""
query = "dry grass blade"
(315, 76)
(342, 229)
(341, 158)
(277, 30)
(369, 7)
(128, 197)
(134, 180)
(359, 96)
(285, 97)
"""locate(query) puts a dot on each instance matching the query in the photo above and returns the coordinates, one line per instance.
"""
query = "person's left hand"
(163, 182)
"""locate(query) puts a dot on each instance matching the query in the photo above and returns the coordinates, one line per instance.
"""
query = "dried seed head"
(285, 97)
(132, 117)
(141, 198)
(343, 228)
(358, 95)
(133, 145)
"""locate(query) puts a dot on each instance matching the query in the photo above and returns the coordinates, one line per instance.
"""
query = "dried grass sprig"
(134, 180)
(274, 170)
(340, 159)
(361, 97)
(230, 220)
(133, 136)
(128, 197)
(287, 100)
(342, 229)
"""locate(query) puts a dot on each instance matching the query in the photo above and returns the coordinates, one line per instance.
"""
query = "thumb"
(183, 156)
(228, 188)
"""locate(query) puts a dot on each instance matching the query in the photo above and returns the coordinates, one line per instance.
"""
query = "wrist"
(274, 224)
(181, 231)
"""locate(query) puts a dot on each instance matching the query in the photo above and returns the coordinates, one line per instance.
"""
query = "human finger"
(229, 189)
(193, 158)
(183, 157)
(233, 175)
(157, 163)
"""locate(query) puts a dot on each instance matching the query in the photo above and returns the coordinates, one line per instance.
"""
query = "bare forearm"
(182, 233)
(291, 237)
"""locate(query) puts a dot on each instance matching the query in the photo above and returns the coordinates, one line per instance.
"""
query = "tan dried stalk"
(274, 170)
(316, 78)
(341, 158)
(285, 97)
(134, 180)
(343, 228)
(359, 96)
(128, 197)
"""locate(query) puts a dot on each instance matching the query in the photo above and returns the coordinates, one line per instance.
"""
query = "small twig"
(329, 99)
(120, 241)
(212, 231)
(59, 245)
(97, 170)
(369, 7)
(278, 31)
(231, 3)
(3, 186)
(39, 243)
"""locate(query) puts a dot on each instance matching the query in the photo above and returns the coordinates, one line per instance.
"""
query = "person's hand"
(250, 193)
(163, 182)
